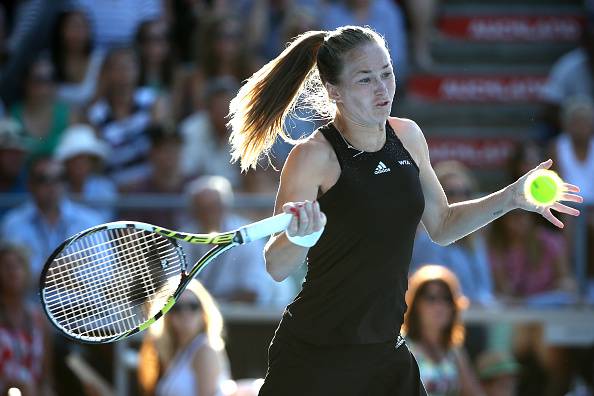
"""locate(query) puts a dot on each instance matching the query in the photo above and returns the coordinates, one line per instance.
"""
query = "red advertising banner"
(513, 28)
(488, 153)
(477, 89)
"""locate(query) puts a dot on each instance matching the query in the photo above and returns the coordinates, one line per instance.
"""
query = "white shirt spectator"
(25, 226)
(202, 154)
(570, 76)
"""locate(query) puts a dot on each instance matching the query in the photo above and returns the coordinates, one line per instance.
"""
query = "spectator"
(221, 53)
(186, 355)
(468, 257)
(573, 152)
(240, 274)
(529, 261)
(127, 15)
(75, 58)
(571, 75)
(574, 148)
(165, 177)
(13, 149)
(45, 221)
(267, 21)
(422, 14)
(82, 155)
(43, 116)
(24, 342)
(434, 332)
(498, 372)
(156, 63)
(384, 16)
(205, 133)
(122, 114)
(29, 24)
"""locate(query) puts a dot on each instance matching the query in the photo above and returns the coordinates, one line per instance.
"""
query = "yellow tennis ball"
(543, 187)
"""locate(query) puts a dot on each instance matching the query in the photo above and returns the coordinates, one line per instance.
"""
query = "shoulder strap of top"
(332, 136)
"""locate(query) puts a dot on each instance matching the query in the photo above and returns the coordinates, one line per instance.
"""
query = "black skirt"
(296, 368)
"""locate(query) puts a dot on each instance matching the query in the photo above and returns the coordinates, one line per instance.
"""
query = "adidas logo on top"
(381, 168)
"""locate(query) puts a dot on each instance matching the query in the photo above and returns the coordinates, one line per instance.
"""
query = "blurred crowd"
(101, 100)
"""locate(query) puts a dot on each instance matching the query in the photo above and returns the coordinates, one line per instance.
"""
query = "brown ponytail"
(259, 110)
(257, 114)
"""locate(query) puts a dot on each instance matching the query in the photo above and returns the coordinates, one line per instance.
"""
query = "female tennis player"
(366, 177)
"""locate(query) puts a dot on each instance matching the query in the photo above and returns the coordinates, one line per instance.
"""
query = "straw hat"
(80, 139)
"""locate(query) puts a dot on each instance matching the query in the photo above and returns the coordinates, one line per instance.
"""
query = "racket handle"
(266, 227)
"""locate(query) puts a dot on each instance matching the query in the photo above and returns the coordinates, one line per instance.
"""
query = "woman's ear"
(333, 92)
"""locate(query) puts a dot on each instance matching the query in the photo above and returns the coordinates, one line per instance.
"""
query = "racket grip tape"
(266, 227)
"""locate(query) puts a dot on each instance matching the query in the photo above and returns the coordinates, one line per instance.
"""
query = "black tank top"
(357, 273)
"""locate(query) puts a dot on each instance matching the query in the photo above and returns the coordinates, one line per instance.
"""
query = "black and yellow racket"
(116, 279)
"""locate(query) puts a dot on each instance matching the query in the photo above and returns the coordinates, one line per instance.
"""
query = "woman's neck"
(366, 137)
(432, 344)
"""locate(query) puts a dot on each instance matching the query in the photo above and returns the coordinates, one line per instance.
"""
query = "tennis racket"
(116, 279)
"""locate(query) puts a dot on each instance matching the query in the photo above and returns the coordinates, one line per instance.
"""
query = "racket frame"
(222, 242)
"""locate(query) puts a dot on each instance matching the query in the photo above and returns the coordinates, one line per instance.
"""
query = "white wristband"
(307, 240)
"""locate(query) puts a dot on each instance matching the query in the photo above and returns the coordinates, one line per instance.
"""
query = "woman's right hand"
(307, 217)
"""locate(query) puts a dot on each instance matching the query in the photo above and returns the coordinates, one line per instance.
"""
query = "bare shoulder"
(206, 355)
(407, 129)
(313, 150)
(311, 154)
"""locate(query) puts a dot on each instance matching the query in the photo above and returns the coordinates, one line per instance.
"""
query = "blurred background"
(115, 109)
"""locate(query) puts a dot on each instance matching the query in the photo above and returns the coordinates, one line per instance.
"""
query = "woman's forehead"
(435, 286)
(371, 57)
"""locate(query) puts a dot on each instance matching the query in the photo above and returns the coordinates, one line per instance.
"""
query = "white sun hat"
(80, 139)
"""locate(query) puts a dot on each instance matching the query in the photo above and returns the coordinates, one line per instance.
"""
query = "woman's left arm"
(446, 223)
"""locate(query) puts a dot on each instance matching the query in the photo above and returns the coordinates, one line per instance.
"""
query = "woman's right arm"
(301, 178)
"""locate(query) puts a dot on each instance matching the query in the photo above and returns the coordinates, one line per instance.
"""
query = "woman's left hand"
(519, 199)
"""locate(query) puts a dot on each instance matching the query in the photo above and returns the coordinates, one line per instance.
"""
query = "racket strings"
(97, 276)
(118, 300)
(93, 279)
(100, 249)
(131, 271)
(96, 245)
(128, 309)
(131, 308)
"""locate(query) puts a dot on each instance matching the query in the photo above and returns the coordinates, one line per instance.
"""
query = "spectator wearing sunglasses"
(184, 354)
(48, 218)
(435, 333)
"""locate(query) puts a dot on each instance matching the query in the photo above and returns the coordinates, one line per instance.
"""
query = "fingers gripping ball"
(543, 187)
